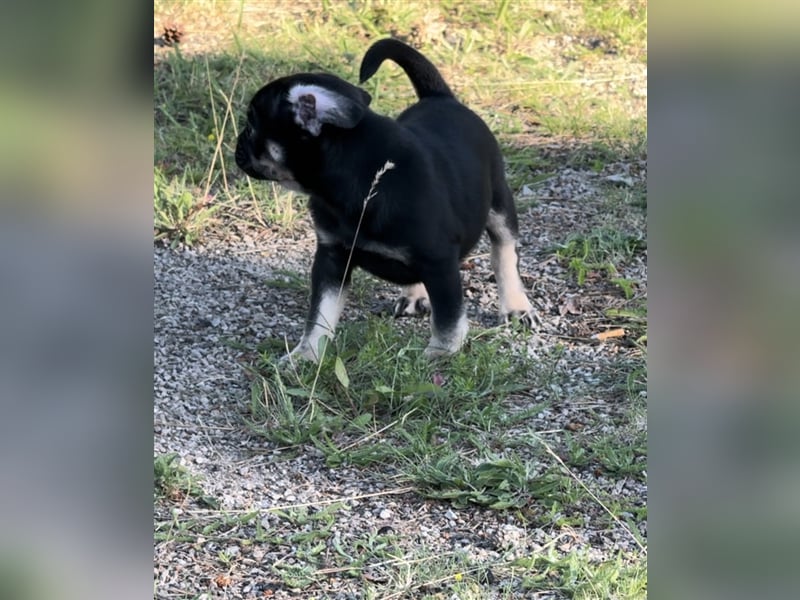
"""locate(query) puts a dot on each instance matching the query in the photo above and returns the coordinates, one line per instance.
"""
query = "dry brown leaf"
(611, 333)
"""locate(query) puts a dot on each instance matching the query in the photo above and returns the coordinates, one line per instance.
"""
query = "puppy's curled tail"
(424, 76)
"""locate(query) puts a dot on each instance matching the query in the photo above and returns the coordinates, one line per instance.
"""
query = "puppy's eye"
(251, 124)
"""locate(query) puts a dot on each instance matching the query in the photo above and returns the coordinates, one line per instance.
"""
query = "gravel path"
(212, 301)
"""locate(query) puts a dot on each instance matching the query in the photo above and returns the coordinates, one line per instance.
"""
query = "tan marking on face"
(275, 151)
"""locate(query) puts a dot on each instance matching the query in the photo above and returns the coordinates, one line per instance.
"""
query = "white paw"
(447, 342)
(434, 352)
(529, 318)
(407, 307)
(305, 351)
(413, 301)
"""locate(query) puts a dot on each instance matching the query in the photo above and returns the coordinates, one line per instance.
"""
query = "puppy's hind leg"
(413, 301)
(502, 230)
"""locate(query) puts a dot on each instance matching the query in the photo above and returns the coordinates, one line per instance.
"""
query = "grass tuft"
(600, 250)
(180, 216)
(172, 480)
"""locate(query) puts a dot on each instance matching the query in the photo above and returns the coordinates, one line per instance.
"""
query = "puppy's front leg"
(448, 317)
(327, 299)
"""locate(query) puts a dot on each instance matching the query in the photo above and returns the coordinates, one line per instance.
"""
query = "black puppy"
(441, 184)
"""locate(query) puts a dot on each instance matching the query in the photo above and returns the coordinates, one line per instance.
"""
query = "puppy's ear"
(314, 105)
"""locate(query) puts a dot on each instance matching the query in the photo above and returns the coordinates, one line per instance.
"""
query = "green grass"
(447, 431)
(599, 256)
(355, 376)
(181, 215)
(385, 565)
(581, 579)
(601, 250)
(174, 483)
(442, 428)
(172, 480)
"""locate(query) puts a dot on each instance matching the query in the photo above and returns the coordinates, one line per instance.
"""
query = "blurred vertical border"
(75, 300)
(724, 230)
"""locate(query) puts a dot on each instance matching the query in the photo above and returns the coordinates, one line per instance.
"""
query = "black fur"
(430, 209)
(425, 78)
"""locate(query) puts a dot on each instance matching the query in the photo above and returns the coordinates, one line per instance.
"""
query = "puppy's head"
(286, 121)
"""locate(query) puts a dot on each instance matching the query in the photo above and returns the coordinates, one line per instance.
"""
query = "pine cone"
(172, 35)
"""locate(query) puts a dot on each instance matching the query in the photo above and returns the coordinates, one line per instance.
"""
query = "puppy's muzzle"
(251, 164)
(244, 156)
(259, 166)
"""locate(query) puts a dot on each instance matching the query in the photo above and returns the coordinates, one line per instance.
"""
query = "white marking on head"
(275, 151)
(326, 100)
(314, 105)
